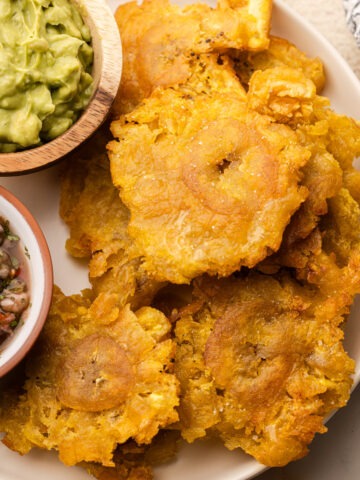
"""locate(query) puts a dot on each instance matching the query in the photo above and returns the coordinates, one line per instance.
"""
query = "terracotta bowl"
(36, 261)
(106, 72)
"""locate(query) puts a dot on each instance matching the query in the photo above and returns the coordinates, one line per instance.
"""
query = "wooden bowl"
(106, 74)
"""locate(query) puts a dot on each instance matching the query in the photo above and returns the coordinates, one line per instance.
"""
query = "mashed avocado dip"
(45, 59)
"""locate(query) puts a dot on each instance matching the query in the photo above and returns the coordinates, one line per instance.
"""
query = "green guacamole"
(45, 60)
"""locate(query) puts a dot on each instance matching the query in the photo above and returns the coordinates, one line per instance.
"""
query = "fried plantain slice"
(205, 179)
(98, 377)
(159, 39)
(281, 53)
(261, 363)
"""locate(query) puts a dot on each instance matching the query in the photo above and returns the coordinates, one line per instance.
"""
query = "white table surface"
(336, 454)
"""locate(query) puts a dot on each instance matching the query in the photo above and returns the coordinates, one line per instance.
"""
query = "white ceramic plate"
(40, 192)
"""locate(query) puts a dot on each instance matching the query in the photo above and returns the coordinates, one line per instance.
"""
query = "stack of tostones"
(230, 182)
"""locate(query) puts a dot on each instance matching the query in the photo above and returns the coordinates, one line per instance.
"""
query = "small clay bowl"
(35, 261)
(106, 73)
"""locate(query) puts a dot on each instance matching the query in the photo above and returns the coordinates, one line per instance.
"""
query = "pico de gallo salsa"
(14, 292)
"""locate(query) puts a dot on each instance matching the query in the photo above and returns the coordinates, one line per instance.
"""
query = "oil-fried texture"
(288, 95)
(135, 462)
(281, 53)
(159, 38)
(261, 363)
(340, 135)
(341, 228)
(283, 83)
(334, 142)
(86, 187)
(284, 93)
(97, 221)
(335, 268)
(210, 185)
(329, 258)
(323, 178)
(82, 400)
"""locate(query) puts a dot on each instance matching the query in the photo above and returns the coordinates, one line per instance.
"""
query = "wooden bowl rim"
(98, 16)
